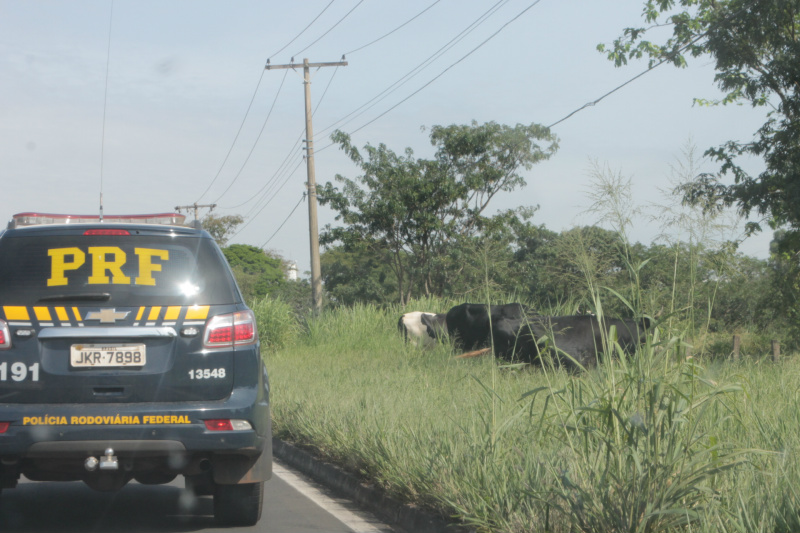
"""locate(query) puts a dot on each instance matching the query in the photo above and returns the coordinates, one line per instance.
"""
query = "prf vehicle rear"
(127, 353)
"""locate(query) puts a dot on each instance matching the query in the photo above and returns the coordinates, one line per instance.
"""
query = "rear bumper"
(68, 433)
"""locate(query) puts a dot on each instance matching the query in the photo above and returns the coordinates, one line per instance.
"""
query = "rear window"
(120, 270)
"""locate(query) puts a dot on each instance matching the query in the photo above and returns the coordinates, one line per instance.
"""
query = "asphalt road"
(292, 504)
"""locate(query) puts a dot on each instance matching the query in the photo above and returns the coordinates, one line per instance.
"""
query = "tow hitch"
(106, 462)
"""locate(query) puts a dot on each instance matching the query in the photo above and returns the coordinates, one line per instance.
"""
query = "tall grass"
(652, 442)
(278, 327)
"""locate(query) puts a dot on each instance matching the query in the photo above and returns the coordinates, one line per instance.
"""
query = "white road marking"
(358, 522)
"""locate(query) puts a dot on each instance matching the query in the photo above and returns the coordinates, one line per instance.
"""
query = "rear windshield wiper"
(79, 297)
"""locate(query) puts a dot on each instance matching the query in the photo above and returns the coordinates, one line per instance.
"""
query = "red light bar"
(34, 219)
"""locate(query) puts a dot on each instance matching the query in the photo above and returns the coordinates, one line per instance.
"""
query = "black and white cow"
(422, 328)
(473, 326)
(574, 341)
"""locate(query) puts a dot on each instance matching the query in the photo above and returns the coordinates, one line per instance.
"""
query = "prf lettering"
(106, 263)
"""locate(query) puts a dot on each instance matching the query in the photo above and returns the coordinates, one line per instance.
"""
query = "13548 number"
(206, 373)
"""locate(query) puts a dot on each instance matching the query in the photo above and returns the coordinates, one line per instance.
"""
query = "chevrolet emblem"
(107, 316)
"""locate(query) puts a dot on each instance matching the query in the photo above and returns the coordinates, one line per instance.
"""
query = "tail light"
(235, 329)
(225, 424)
(5, 336)
(4, 426)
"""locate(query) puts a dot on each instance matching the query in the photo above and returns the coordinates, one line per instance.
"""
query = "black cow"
(576, 340)
(474, 325)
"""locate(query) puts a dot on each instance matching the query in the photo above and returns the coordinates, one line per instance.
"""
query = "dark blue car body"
(128, 354)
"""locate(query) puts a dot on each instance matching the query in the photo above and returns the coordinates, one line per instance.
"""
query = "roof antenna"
(105, 106)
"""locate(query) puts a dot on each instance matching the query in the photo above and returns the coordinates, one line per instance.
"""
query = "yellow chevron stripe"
(14, 312)
(42, 314)
(62, 315)
(197, 312)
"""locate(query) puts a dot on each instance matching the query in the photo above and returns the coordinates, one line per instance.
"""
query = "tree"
(416, 208)
(221, 228)
(357, 274)
(754, 44)
(785, 275)
(257, 273)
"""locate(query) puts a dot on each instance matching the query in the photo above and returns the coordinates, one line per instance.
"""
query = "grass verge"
(653, 442)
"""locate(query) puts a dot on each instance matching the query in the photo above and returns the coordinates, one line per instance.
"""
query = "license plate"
(102, 355)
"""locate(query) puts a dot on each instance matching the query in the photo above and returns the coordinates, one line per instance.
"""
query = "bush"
(278, 326)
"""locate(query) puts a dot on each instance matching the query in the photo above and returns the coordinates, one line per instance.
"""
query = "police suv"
(127, 353)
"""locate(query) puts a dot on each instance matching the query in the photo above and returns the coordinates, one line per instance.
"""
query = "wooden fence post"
(737, 343)
(776, 351)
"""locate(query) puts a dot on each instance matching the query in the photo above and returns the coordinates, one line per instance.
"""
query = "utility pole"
(311, 184)
(195, 206)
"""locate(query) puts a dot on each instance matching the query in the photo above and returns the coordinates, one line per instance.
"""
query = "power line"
(292, 151)
(263, 126)
(264, 201)
(301, 32)
(252, 218)
(618, 87)
(246, 114)
(394, 30)
(252, 99)
(285, 220)
(443, 72)
(649, 69)
(329, 29)
(425, 63)
(416, 70)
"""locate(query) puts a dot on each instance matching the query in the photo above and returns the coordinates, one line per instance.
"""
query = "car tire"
(239, 505)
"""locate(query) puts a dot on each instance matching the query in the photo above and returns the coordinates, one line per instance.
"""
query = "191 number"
(207, 373)
(18, 371)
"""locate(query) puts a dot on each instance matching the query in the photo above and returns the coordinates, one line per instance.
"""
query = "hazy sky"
(146, 101)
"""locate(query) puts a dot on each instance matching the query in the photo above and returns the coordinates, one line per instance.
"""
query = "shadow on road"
(67, 507)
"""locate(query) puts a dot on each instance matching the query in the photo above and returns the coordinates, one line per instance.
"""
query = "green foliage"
(409, 211)
(690, 286)
(692, 278)
(785, 278)
(221, 227)
(297, 294)
(642, 456)
(355, 273)
(754, 46)
(277, 322)
(257, 273)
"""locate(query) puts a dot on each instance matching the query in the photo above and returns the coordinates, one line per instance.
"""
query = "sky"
(151, 105)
